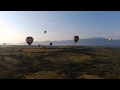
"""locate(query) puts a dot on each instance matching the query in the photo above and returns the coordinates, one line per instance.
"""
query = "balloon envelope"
(29, 40)
(75, 38)
(50, 44)
(38, 45)
(110, 39)
(44, 31)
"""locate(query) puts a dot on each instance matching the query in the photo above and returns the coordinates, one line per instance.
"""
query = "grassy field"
(61, 62)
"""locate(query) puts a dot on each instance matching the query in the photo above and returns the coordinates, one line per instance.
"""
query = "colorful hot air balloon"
(75, 38)
(29, 40)
(110, 39)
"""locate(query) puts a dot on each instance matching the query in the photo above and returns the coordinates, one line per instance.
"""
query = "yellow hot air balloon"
(110, 39)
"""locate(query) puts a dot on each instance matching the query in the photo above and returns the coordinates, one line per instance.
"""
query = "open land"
(60, 62)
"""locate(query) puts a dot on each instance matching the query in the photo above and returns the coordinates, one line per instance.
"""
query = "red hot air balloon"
(29, 40)
(75, 38)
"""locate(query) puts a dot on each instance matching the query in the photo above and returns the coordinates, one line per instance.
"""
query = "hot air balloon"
(75, 38)
(38, 45)
(29, 40)
(50, 44)
(44, 31)
(110, 39)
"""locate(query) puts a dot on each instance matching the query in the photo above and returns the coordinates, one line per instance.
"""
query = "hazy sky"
(15, 26)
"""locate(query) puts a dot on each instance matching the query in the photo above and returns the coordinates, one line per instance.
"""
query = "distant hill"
(86, 42)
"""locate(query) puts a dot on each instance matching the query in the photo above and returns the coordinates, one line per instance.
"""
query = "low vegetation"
(62, 62)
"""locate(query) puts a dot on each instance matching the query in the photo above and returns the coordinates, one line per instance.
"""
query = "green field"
(61, 62)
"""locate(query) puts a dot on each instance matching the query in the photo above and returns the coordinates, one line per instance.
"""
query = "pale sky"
(15, 26)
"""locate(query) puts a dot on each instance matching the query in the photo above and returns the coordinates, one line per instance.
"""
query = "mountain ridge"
(87, 41)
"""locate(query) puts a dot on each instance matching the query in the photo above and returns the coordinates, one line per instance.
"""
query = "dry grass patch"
(44, 75)
(89, 77)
